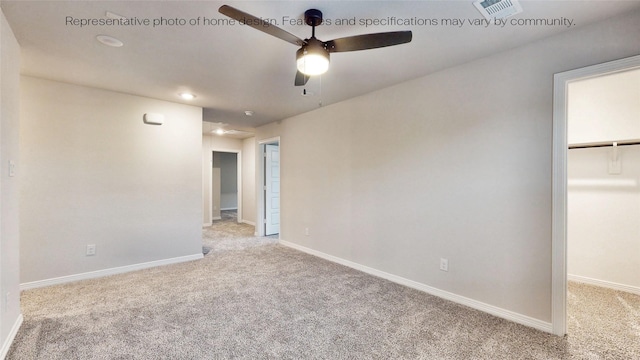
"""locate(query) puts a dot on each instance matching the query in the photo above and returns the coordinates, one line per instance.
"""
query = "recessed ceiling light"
(187, 96)
(219, 132)
(109, 40)
(249, 113)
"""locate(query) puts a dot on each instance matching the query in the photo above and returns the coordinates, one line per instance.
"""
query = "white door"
(272, 190)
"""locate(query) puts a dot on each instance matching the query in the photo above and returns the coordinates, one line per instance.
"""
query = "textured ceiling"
(232, 67)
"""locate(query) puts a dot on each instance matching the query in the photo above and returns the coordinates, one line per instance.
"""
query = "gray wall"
(456, 165)
(248, 180)
(215, 193)
(228, 165)
(10, 316)
(94, 173)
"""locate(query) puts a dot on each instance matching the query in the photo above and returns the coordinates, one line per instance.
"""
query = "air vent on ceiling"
(498, 9)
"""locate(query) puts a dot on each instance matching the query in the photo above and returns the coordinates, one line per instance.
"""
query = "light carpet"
(261, 300)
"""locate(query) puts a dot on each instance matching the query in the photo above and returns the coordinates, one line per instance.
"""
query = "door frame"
(261, 173)
(559, 181)
(239, 172)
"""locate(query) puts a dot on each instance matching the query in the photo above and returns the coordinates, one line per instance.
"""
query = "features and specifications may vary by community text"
(390, 21)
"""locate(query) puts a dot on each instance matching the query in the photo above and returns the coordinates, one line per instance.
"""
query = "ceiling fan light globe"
(313, 64)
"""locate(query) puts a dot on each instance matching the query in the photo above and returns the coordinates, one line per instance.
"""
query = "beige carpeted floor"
(250, 298)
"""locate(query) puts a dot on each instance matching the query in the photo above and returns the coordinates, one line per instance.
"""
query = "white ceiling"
(233, 68)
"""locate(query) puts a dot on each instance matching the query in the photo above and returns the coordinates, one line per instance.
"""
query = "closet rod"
(597, 145)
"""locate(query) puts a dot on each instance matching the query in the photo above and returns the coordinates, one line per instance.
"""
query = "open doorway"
(225, 185)
(603, 168)
(608, 152)
(269, 187)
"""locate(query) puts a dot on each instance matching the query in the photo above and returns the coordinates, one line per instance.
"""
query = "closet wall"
(604, 182)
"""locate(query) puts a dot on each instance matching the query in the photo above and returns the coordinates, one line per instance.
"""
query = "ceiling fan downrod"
(313, 18)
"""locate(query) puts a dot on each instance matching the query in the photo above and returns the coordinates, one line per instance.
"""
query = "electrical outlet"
(12, 168)
(444, 264)
(306, 231)
(6, 302)
(91, 250)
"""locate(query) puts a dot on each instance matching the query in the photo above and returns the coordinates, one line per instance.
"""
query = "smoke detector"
(498, 9)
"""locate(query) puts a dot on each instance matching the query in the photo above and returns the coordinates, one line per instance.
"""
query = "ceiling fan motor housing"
(313, 46)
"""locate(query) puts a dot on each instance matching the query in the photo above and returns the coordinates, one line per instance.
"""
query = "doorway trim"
(239, 172)
(260, 213)
(559, 181)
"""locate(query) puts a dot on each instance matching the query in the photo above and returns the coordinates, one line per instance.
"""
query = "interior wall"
(215, 191)
(211, 143)
(605, 108)
(603, 225)
(603, 208)
(10, 316)
(453, 165)
(228, 180)
(248, 181)
(94, 173)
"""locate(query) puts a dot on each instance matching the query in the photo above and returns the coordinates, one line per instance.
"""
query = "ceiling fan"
(313, 56)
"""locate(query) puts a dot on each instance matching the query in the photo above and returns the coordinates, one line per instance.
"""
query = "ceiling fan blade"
(301, 79)
(369, 41)
(260, 24)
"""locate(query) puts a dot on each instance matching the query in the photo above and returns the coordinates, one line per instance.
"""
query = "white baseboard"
(603, 283)
(10, 337)
(248, 222)
(107, 272)
(490, 309)
(207, 224)
(216, 218)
